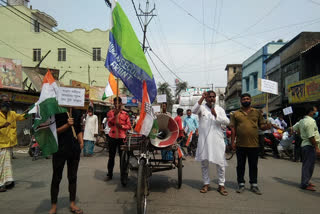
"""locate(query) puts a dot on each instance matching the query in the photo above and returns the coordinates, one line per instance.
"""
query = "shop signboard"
(10, 74)
(132, 101)
(305, 90)
(259, 100)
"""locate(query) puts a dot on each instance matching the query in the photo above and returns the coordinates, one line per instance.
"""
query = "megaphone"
(168, 131)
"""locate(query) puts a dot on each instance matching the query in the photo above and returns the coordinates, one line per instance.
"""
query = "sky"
(196, 39)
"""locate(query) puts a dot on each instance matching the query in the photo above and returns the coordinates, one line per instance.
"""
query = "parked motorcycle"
(34, 149)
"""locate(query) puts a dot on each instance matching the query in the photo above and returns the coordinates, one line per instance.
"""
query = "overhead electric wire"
(50, 32)
(209, 27)
(165, 65)
(156, 67)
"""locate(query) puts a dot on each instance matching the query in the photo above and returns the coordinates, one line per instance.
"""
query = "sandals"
(222, 191)
(76, 211)
(205, 188)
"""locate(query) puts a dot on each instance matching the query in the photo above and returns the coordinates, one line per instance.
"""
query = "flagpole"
(118, 108)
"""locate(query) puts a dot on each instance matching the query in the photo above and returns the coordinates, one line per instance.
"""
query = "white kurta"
(211, 145)
(91, 128)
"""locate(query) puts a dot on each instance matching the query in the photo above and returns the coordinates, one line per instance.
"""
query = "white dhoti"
(205, 173)
(5, 167)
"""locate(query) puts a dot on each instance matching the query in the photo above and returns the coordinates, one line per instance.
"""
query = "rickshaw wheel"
(179, 172)
(124, 168)
(142, 188)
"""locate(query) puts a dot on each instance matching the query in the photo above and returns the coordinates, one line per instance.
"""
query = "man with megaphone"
(211, 145)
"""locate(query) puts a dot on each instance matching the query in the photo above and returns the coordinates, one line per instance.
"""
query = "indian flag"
(146, 120)
(45, 110)
(111, 88)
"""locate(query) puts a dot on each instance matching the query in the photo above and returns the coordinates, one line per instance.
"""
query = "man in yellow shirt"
(8, 139)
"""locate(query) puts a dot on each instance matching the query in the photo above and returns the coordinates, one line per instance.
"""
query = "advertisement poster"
(305, 90)
(10, 74)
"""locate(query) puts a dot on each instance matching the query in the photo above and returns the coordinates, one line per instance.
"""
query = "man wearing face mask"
(309, 134)
(245, 124)
(8, 139)
(211, 146)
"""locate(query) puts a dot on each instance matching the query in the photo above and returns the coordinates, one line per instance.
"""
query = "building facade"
(254, 68)
(234, 87)
(30, 35)
(290, 66)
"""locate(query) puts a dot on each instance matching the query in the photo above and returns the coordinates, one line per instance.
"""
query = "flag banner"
(180, 153)
(45, 109)
(125, 57)
(111, 88)
(146, 120)
(189, 138)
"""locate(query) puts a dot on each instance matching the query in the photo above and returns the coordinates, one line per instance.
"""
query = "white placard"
(73, 97)
(124, 100)
(156, 108)
(162, 98)
(269, 86)
(287, 110)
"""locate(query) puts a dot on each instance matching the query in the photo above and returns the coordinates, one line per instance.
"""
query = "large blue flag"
(125, 57)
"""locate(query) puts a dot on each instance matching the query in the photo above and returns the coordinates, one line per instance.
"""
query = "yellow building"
(28, 35)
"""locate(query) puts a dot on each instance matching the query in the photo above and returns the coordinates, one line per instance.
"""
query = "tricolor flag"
(111, 88)
(189, 138)
(147, 117)
(45, 110)
(179, 150)
(125, 57)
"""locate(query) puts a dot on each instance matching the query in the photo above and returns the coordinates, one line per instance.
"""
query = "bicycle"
(101, 143)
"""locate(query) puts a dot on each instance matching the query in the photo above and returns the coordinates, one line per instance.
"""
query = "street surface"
(278, 180)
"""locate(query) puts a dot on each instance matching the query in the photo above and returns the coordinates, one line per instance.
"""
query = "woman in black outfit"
(69, 151)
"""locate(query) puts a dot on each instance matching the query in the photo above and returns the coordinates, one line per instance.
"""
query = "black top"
(68, 145)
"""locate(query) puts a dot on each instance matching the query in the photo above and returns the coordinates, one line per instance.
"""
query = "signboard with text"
(304, 90)
(268, 86)
(73, 97)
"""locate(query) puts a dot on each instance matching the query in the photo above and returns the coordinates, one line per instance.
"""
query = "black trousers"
(261, 145)
(58, 162)
(308, 161)
(274, 141)
(114, 144)
(192, 148)
(252, 154)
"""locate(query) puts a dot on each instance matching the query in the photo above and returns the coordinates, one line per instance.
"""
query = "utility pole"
(146, 14)
(89, 80)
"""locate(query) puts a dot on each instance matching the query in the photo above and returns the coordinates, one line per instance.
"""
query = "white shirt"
(281, 123)
(91, 128)
(211, 144)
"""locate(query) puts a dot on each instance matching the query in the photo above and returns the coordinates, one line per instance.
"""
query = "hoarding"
(10, 73)
(305, 90)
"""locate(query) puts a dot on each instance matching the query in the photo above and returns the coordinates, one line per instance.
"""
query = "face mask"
(5, 106)
(315, 115)
(246, 104)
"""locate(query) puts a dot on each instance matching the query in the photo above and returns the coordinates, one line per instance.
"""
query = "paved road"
(278, 179)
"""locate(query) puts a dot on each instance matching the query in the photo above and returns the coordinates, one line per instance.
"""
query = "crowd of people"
(248, 127)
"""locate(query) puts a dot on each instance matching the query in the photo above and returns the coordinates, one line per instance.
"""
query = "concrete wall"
(22, 39)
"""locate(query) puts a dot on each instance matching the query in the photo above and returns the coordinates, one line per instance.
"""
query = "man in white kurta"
(90, 132)
(211, 145)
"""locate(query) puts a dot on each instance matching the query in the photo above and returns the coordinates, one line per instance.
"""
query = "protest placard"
(162, 98)
(268, 86)
(287, 111)
(71, 97)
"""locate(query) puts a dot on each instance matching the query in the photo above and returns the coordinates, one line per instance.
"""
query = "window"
(255, 81)
(61, 54)
(36, 26)
(36, 54)
(247, 84)
(234, 70)
(96, 54)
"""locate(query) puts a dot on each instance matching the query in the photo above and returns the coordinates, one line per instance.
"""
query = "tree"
(164, 88)
(180, 86)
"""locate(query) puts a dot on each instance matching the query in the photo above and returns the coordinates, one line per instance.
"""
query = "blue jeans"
(88, 147)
